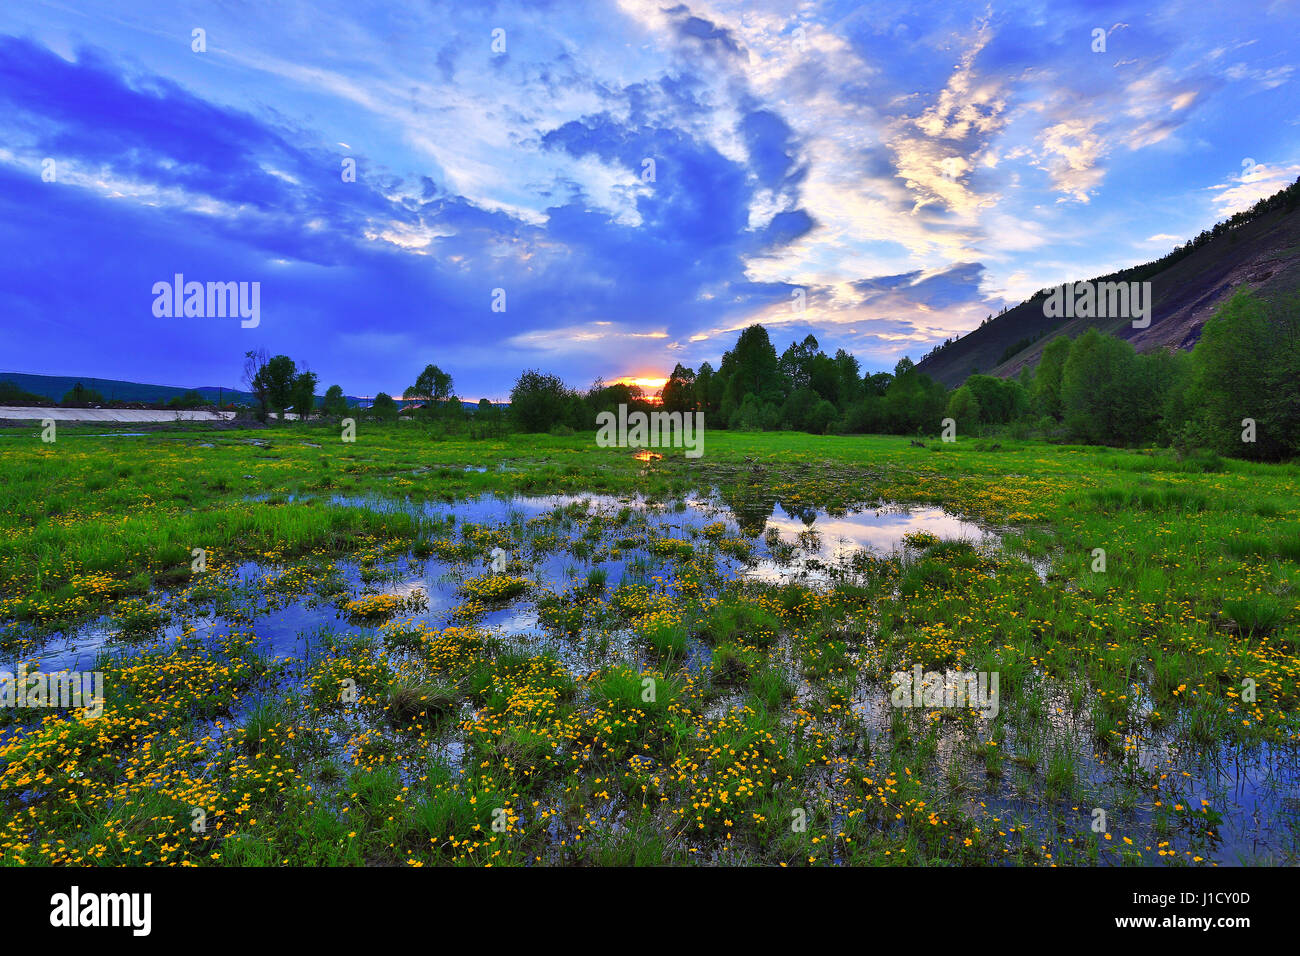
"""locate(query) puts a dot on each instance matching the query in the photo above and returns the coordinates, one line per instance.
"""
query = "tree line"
(1237, 392)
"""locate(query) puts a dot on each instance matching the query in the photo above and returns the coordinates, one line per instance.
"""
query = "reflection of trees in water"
(801, 510)
(753, 506)
(752, 509)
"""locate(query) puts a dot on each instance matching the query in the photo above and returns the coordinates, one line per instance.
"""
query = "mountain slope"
(1259, 248)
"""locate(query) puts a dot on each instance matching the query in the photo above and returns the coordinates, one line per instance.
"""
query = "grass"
(741, 621)
(666, 635)
(665, 711)
(412, 700)
(1256, 614)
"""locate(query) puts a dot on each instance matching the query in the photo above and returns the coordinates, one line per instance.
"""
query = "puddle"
(832, 542)
(812, 549)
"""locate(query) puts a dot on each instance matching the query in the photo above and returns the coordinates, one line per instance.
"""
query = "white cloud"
(1255, 183)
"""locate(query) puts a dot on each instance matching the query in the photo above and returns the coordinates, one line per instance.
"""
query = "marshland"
(419, 650)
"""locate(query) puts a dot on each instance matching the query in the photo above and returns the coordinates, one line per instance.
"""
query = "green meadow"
(415, 649)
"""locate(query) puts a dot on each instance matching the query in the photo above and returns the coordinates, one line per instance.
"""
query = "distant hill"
(1259, 247)
(54, 387)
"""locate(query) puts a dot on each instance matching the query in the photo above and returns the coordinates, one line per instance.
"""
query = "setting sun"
(650, 386)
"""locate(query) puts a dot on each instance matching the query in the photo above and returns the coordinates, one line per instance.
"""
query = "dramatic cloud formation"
(603, 189)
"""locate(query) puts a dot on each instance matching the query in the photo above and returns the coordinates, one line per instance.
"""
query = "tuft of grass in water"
(1256, 615)
(622, 690)
(494, 587)
(770, 686)
(920, 539)
(739, 620)
(644, 846)
(265, 717)
(1061, 772)
(667, 636)
(410, 701)
(137, 618)
(559, 613)
(731, 665)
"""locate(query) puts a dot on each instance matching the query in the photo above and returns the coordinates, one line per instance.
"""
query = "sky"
(602, 189)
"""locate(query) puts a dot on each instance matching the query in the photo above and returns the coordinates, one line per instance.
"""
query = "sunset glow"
(651, 386)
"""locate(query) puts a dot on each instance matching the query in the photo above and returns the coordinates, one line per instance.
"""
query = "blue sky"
(911, 167)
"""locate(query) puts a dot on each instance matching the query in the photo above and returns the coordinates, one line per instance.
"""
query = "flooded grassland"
(536, 651)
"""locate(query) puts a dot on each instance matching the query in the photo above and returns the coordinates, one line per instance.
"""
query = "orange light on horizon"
(650, 386)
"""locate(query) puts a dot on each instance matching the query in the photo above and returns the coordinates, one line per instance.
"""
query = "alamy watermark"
(977, 690)
(1101, 300)
(651, 430)
(75, 908)
(68, 689)
(213, 300)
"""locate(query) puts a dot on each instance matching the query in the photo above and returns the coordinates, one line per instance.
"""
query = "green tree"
(678, 393)
(255, 361)
(708, 392)
(275, 380)
(188, 400)
(866, 416)
(384, 408)
(994, 397)
(821, 418)
(607, 398)
(11, 394)
(1246, 365)
(797, 409)
(1173, 369)
(1046, 390)
(433, 384)
(80, 397)
(877, 384)
(964, 408)
(334, 404)
(913, 402)
(304, 394)
(539, 401)
(824, 377)
(487, 418)
(848, 379)
(748, 417)
(1099, 399)
(750, 368)
(795, 364)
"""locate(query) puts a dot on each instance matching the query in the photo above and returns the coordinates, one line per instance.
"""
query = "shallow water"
(1257, 791)
(792, 555)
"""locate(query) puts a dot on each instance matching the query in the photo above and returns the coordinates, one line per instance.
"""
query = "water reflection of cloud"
(880, 531)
